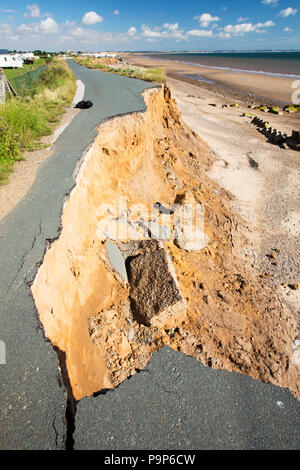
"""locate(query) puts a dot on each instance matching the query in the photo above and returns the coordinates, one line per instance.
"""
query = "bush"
(10, 150)
(52, 77)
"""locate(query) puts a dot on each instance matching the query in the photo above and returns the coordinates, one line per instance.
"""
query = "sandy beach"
(262, 177)
(268, 88)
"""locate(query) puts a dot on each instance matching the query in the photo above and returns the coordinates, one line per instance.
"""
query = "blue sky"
(154, 25)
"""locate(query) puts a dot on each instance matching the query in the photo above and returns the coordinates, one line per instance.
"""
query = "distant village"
(16, 60)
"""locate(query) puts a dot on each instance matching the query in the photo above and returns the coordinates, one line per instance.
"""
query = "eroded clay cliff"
(108, 303)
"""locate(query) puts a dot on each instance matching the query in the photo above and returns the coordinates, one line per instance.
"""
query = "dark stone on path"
(84, 105)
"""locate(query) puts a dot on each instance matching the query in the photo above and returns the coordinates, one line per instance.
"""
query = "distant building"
(98, 55)
(29, 55)
(10, 61)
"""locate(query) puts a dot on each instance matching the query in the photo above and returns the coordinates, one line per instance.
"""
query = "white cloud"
(287, 29)
(224, 35)
(206, 18)
(132, 31)
(267, 24)
(90, 36)
(70, 24)
(46, 34)
(270, 2)
(242, 20)
(288, 12)
(171, 26)
(49, 26)
(25, 28)
(200, 33)
(241, 29)
(34, 11)
(5, 29)
(116, 12)
(168, 30)
(91, 17)
(65, 38)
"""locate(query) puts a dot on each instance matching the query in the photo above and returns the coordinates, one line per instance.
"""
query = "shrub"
(52, 77)
(10, 149)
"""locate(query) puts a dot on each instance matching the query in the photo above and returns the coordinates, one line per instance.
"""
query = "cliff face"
(109, 293)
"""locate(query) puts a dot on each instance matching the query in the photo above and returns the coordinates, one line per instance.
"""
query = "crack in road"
(22, 263)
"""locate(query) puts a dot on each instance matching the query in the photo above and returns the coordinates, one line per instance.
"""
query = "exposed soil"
(228, 316)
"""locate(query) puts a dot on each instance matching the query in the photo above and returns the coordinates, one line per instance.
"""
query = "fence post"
(2, 87)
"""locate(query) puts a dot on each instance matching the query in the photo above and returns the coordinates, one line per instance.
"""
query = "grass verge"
(150, 75)
(24, 120)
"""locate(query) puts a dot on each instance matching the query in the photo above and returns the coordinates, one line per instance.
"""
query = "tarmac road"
(176, 403)
(32, 398)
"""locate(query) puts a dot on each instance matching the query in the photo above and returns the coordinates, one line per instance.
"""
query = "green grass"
(12, 73)
(10, 150)
(150, 75)
(24, 120)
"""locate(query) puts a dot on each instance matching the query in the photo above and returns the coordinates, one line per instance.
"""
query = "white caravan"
(17, 61)
(9, 61)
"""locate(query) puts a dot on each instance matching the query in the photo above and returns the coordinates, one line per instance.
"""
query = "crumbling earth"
(108, 303)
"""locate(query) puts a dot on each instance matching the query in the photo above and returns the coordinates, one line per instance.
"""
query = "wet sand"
(270, 88)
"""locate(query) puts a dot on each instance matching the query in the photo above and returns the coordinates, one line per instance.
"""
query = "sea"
(282, 64)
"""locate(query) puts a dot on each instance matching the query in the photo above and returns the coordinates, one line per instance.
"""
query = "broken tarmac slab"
(176, 403)
(155, 296)
(32, 395)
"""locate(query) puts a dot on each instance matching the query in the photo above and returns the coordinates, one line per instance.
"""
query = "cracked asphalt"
(32, 397)
(176, 403)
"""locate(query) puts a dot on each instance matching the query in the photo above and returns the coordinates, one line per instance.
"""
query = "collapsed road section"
(125, 279)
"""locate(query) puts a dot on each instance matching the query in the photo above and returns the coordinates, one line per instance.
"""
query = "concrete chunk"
(116, 260)
(155, 296)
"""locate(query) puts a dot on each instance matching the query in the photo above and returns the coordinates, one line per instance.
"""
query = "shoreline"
(228, 92)
(230, 69)
(248, 87)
